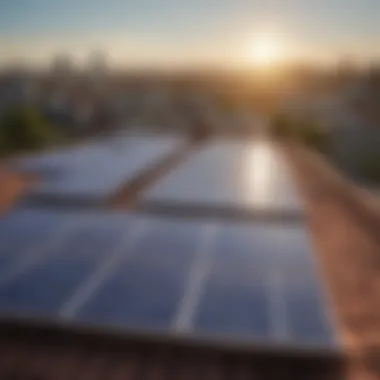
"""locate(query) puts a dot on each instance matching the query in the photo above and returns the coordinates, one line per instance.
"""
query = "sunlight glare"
(266, 50)
(258, 173)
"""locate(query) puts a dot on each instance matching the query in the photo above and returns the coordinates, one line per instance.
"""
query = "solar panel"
(241, 286)
(25, 234)
(235, 298)
(47, 283)
(94, 171)
(229, 175)
(254, 282)
(263, 284)
(147, 285)
(234, 309)
(29, 222)
(307, 319)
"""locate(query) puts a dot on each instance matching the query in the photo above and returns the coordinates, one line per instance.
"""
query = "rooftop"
(343, 223)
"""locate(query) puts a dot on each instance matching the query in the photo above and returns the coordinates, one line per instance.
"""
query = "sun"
(265, 50)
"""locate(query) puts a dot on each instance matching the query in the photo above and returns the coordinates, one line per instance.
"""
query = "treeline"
(363, 163)
(24, 128)
(306, 131)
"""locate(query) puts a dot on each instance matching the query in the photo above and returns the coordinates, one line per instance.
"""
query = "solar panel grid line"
(197, 277)
(277, 305)
(103, 271)
(39, 252)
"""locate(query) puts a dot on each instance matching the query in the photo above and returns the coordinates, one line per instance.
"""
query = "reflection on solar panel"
(229, 175)
(94, 171)
(252, 282)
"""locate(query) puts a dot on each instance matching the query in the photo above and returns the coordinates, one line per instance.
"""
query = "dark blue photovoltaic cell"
(147, 286)
(236, 309)
(238, 295)
(25, 231)
(246, 247)
(47, 285)
(28, 224)
(306, 315)
(235, 298)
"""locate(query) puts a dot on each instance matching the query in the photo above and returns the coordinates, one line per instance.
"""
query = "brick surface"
(345, 223)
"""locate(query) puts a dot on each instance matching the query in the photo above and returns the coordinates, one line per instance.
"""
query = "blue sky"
(180, 31)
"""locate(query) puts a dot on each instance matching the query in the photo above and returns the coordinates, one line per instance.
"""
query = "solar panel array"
(95, 171)
(253, 282)
(205, 277)
(229, 176)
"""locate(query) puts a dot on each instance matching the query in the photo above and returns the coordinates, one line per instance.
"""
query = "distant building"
(62, 66)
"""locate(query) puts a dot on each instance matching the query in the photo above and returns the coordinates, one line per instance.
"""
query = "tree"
(24, 127)
(304, 130)
(313, 134)
(282, 126)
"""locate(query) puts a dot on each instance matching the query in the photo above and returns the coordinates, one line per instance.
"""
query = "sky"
(188, 32)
